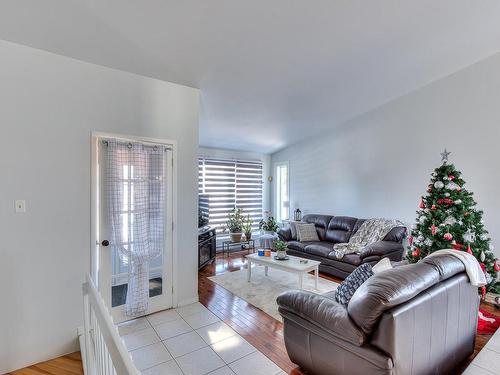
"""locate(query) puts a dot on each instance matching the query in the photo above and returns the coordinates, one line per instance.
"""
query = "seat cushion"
(321, 248)
(353, 259)
(297, 245)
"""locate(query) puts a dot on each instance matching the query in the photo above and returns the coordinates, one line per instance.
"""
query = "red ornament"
(469, 250)
(410, 240)
(483, 267)
(483, 292)
(415, 253)
(433, 207)
(458, 246)
(433, 229)
(451, 177)
(422, 204)
(459, 188)
(448, 236)
(429, 188)
(496, 267)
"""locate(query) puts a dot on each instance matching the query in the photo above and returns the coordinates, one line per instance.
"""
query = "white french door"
(133, 202)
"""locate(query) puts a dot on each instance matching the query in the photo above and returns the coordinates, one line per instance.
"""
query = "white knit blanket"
(372, 230)
(472, 267)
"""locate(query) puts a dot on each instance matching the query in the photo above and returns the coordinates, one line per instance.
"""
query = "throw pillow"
(352, 282)
(306, 232)
(382, 265)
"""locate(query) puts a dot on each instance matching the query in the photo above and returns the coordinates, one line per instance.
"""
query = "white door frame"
(94, 209)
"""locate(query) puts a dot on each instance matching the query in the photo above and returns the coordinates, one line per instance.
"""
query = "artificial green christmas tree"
(448, 219)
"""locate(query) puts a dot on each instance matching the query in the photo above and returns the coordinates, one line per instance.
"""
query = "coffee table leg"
(266, 269)
(301, 277)
(249, 270)
(316, 277)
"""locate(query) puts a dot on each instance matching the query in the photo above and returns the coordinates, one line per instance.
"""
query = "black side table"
(226, 245)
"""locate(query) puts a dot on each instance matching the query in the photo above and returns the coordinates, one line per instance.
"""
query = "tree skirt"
(487, 323)
(263, 290)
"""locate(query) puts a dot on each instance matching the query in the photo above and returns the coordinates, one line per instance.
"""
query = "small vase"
(248, 236)
(281, 254)
(235, 237)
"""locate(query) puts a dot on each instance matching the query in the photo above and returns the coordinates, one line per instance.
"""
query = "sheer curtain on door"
(136, 207)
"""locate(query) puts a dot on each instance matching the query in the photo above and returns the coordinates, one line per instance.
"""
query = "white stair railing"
(103, 351)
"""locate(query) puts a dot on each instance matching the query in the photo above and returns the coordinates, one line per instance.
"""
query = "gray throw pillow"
(352, 282)
(293, 230)
(306, 232)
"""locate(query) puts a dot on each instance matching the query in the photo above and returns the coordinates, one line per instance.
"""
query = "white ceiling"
(271, 72)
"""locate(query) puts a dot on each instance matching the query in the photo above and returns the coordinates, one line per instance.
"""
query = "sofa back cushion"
(340, 229)
(394, 287)
(320, 221)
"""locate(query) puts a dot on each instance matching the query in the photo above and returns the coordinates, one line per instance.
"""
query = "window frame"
(277, 190)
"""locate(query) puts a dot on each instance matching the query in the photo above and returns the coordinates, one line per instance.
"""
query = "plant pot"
(235, 237)
(281, 254)
(248, 236)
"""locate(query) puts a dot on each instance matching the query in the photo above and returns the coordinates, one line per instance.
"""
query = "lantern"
(297, 215)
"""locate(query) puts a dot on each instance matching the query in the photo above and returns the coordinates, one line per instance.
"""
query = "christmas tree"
(448, 219)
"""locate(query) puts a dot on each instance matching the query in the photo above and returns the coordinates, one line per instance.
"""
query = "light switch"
(20, 206)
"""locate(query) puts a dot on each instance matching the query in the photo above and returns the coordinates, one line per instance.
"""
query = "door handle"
(105, 243)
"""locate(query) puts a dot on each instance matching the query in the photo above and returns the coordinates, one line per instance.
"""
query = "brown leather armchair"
(411, 320)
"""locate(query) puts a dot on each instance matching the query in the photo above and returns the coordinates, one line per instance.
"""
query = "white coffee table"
(292, 265)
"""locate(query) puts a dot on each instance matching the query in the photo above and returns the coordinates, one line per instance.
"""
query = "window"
(225, 184)
(282, 192)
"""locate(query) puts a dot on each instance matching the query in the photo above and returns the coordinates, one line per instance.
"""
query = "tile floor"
(191, 340)
(487, 362)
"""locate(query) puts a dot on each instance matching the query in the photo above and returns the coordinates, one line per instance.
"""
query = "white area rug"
(263, 290)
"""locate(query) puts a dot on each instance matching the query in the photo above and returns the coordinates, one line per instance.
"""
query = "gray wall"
(379, 164)
(49, 105)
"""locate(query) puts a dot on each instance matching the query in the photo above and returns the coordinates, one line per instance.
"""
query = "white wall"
(49, 105)
(379, 164)
(246, 155)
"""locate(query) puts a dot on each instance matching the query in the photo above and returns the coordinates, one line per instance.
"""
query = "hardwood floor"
(70, 364)
(257, 327)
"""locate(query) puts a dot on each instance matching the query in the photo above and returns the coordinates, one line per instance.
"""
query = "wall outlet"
(20, 206)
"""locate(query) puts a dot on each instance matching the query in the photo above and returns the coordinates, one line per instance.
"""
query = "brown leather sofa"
(411, 320)
(335, 229)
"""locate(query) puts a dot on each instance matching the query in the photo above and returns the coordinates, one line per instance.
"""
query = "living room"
(330, 149)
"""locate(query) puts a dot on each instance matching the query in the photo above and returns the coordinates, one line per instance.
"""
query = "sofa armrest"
(381, 248)
(285, 234)
(325, 313)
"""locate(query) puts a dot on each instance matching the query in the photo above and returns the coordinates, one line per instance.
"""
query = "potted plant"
(269, 226)
(235, 224)
(280, 247)
(247, 228)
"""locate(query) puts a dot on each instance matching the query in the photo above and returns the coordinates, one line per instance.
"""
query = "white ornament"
(489, 279)
(458, 201)
(445, 178)
(452, 186)
(482, 256)
(450, 220)
(420, 238)
(446, 194)
(469, 236)
(483, 237)
(427, 210)
(439, 184)
(422, 219)
(428, 242)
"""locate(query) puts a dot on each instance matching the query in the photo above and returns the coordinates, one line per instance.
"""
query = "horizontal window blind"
(226, 184)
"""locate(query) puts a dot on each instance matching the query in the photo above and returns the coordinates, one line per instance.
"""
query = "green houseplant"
(280, 247)
(268, 226)
(247, 228)
(234, 223)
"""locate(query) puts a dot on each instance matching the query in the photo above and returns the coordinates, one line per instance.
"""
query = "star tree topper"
(444, 156)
